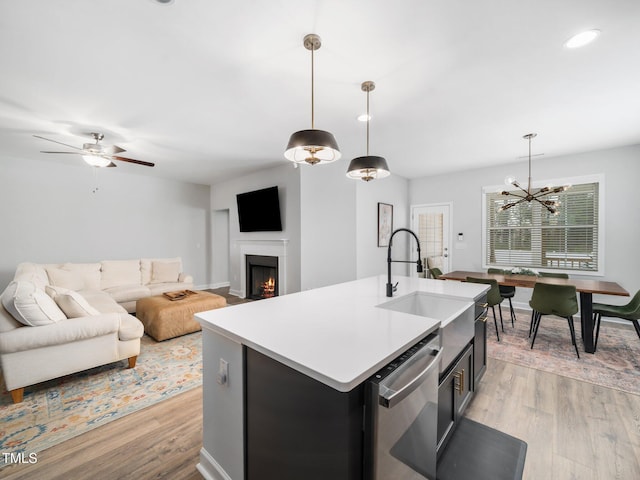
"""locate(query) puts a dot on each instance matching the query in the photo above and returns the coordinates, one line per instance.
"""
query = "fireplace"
(262, 276)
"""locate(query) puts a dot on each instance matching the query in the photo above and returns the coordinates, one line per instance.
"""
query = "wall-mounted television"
(259, 211)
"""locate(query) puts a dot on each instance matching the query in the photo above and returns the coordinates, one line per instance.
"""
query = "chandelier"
(529, 195)
(312, 146)
(369, 167)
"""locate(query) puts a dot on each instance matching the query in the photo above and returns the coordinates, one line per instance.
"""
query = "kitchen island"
(333, 339)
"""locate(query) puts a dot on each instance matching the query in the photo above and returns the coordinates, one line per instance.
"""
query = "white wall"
(223, 198)
(371, 259)
(621, 168)
(220, 238)
(50, 215)
(328, 225)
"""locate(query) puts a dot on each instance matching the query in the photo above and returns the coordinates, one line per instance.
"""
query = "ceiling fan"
(96, 154)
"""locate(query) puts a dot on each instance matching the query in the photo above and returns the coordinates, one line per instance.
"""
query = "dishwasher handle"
(389, 397)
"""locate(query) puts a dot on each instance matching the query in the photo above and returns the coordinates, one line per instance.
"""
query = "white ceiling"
(210, 89)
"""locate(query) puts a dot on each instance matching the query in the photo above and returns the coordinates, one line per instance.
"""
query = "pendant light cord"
(312, 103)
(529, 184)
(368, 122)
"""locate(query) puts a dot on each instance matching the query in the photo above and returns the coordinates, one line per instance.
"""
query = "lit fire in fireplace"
(268, 288)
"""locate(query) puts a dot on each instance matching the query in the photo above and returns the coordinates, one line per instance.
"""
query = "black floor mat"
(478, 452)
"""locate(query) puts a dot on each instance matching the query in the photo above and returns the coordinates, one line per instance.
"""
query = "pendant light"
(369, 167)
(529, 195)
(312, 146)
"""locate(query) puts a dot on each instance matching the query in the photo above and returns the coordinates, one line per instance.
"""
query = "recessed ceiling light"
(582, 39)
(364, 117)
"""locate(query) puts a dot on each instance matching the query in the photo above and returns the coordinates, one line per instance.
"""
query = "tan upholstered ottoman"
(163, 318)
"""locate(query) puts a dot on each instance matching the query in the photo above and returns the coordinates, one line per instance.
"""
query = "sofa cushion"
(32, 272)
(71, 303)
(102, 301)
(90, 273)
(120, 272)
(128, 293)
(65, 279)
(30, 305)
(163, 272)
(146, 266)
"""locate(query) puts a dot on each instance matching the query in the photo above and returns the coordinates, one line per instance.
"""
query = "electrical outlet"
(223, 372)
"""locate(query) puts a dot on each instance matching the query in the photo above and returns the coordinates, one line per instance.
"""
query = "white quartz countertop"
(336, 334)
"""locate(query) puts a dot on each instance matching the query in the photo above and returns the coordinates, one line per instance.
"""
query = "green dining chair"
(435, 272)
(493, 298)
(553, 275)
(630, 311)
(506, 291)
(559, 300)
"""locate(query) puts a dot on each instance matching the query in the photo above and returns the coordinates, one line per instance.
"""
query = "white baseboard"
(237, 293)
(209, 468)
(211, 286)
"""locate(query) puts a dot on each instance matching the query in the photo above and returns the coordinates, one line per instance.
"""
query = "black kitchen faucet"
(392, 288)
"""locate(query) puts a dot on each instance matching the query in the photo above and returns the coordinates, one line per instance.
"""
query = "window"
(528, 236)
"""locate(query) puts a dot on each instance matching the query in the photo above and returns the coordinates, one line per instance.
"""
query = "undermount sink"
(456, 317)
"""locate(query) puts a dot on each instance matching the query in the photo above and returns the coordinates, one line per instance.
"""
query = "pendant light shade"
(312, 146)
(369, 167)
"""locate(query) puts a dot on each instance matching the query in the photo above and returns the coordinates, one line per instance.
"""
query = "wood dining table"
(585, 287)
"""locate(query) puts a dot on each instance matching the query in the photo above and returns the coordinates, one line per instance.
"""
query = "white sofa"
(57, 319)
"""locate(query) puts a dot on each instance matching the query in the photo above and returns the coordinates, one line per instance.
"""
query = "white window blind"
(527, 235)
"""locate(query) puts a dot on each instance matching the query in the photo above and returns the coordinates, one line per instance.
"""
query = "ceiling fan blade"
(112, 150)
(131, 160)
(68, 153)
(55, 141)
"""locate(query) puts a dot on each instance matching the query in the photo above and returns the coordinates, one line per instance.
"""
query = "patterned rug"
(60, 409)
(616, 363)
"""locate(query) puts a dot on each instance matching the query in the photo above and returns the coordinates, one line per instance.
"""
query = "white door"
(432, 224)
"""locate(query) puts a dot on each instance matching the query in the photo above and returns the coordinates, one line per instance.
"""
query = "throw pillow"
(66, 279)
(164, 272)
(29, 305)
(72, 303)
(145, 266)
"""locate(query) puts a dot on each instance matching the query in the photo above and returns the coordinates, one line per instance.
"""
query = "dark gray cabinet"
(299, 428)
(454, 393)
(479, 349)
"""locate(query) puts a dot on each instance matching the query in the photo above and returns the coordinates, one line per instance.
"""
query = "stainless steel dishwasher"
(401, 415)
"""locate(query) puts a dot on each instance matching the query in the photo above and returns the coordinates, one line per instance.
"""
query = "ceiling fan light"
(96, 160)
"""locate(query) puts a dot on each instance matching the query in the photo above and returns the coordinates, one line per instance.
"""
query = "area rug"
(60, 409)
(616, 363)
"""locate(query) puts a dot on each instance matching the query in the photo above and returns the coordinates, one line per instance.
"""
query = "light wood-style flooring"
(574, 430)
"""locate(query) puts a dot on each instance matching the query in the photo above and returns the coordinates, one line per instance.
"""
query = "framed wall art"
(385, 224)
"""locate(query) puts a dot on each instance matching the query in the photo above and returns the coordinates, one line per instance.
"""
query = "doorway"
(432, 224)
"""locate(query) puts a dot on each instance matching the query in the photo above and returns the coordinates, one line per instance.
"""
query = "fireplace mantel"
(274, 248)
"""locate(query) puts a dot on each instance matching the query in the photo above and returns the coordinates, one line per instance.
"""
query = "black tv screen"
(259, 211)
